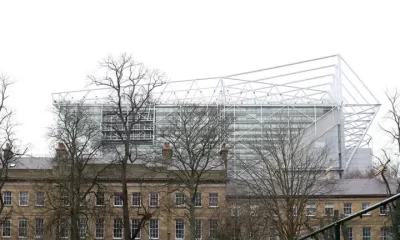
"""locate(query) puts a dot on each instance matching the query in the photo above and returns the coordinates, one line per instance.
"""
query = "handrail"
(337, 224)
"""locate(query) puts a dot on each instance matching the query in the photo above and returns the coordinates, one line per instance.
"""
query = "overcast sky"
(49, 46)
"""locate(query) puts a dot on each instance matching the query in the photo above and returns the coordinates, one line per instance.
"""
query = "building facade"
(37, 205)
(325, 93)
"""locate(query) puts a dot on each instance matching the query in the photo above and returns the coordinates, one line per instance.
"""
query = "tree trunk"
(125, 207)
(192, 214)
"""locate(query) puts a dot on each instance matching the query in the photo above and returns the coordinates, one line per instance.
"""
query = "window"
(118, 199)
(349, 232)
(198, 229)
(254, 210)
(117, 228)
(197, 200)
(23, 198)
(6, 228)
(179, 199)
(7, 198)
(213, 229)
(384, 210)
(213, 200)
(22, 228)
(39, 199)
(64, 199)
(99, 228)
(82, 227)
(310, 209)
(329, 209)
(366, 233)
(365, 206)
(235, 210)
(136, 199)
(100, 200)
(385, 233)
(294, 211)
(39, 227)
(64, 228)
(179, 229)
(153, 230)
(154, 199)
(135, 226)
(347, 208)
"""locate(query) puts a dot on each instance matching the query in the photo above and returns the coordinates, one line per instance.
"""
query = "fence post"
(337, 231)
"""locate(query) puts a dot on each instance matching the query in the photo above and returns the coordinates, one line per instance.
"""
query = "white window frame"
(311, 209)
(181, 230)
(235, 210)
(64, 226)
(349, 233)
(179, 199)
(118, 202)
(365, 205)
(41, 202)
(39, 228)
(100, 199)
(136, 199)
(197, 200)
(344, 208)
(152, 197)
(154, 229)
(7, 198)
(385, 233)
(64, 198)
(134, 225)
(6, 226)
(366, 235)
(117, 228)
(22, 228)
(213, 200)
(198, 229)
(23, 200)
(329, 207)
(384, 210)
(82, 228)
(213, 232)
(99, 228)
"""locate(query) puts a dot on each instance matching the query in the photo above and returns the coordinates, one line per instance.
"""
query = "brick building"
(348, 197)
(30, 204)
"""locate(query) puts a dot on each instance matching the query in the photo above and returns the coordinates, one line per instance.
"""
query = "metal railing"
(336, 225)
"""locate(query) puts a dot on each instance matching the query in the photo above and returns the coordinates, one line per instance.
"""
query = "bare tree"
(76, 171)
(288, 176)
(389, 162)
(245, 221)
(8, 143)
(130, 85)
(195, 133)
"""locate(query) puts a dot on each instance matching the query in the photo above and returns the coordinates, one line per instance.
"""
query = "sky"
(51, 46)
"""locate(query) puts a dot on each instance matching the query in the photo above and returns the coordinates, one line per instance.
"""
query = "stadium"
(337, 106)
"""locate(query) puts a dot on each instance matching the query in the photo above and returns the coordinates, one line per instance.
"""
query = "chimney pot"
(167, 153)
(224, 155)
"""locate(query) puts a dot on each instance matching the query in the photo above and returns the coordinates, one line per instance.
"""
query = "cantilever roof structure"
(321, 82)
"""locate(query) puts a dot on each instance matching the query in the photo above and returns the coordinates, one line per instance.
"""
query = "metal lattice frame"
(327, 81)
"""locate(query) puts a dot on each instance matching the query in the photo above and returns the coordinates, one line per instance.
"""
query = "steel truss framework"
(326, 82)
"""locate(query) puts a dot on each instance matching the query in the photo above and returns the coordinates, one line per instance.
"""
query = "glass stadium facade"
(324, 93)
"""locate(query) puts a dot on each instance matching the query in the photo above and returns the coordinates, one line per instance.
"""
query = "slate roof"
(340, 188)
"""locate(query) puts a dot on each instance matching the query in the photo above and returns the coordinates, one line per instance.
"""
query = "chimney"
(330, 174)
(61, 151)
(7, 153)
(224, 155)
(167, 153)
(378, 172)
